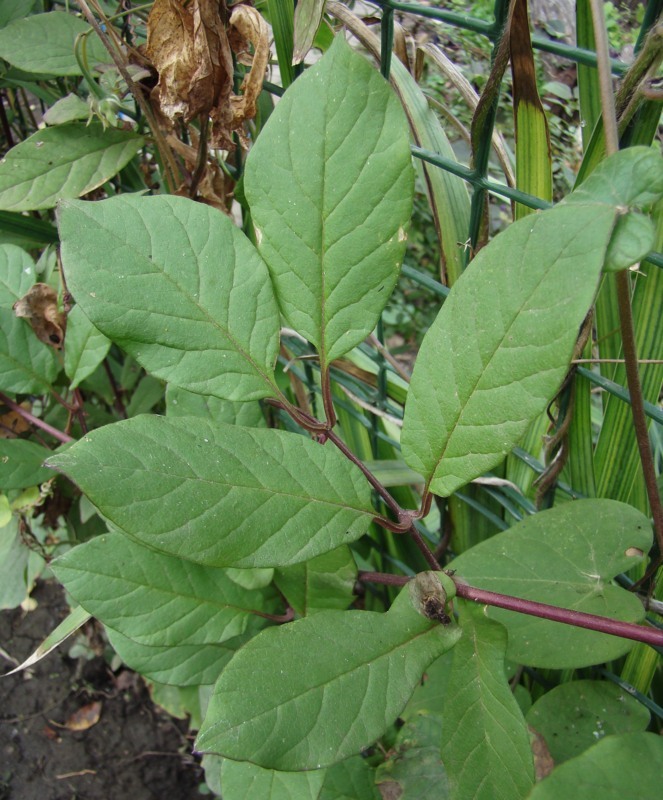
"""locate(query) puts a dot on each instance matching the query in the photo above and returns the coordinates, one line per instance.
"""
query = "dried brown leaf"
(251, 26)
(40, 307)
(189, 48)
(85, 717)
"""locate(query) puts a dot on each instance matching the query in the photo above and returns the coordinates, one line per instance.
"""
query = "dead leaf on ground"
(85, 717)
(40, 307)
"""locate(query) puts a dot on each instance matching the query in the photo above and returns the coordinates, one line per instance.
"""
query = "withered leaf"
(188, 45)
(40, 307)
(85, 717)
(251, 26)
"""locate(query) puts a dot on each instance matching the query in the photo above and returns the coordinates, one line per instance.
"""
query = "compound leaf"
(311, 693)
(218, 494)
(566, 556)
(330, 185)
(179, 287)
(65, 161)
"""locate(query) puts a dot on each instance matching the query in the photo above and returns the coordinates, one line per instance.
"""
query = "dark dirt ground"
(134, 751)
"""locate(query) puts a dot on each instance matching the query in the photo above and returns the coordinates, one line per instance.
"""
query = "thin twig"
(38, 423)
(368, 407)
(171, 170)
(384, 352)
(624, 290)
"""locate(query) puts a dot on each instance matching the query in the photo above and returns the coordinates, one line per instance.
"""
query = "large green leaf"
(63, 162)
(330, 185)
(85, 347)
(573, 716)
(156, 599)
(221, 495)
(177, 665)
(44, 43)
(617, 768)
(500, 347)
(179, 287)
(308, 694)
(26, 364)
(485, 743)
(21, 464)
(567, 557)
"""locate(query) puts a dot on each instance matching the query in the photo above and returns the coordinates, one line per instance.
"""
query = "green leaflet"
(617, 768)
(179, 287)
(44, 43)
(65, 161)
(566, 556)
(310, 693)
(330, 185)
(221, 495)
(14, 9)
(85, 347)
(173, 602)
(485, 744)
(500, 346)
(26, 364)
(574, 716)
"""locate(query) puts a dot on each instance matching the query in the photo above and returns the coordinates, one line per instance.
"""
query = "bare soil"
(134, 751)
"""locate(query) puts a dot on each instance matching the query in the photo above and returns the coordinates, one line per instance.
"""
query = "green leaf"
(14, 9)
(415, 770)
(63, 162)
(617, 768)
(44, 43)
(631, 178)
(181, 403)
(485, 743)
(21, 464)
(330, 185)
(172, 601)
(632, 238)
(14, 557)
(219, 494)
(322, 583)
(500, 347)
(313, 692)
(429, 697)
(27, 366)
(85, 347)
(68, 109)
(244, 781)
(177, 665)
(177, 286)
(567, 557)
(352, 779)
(574, 716)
